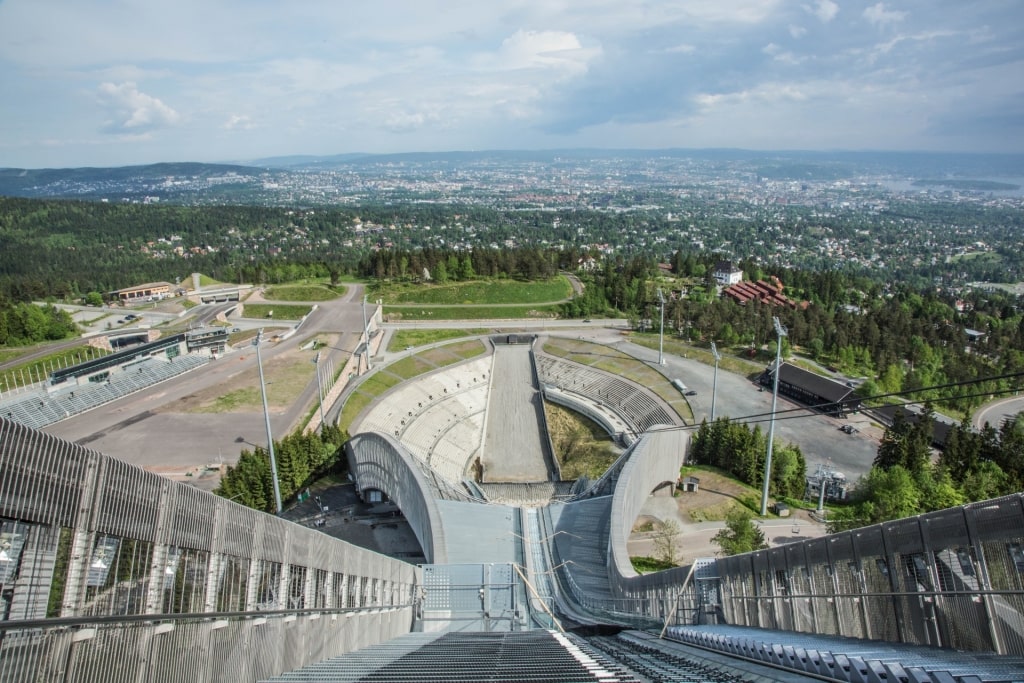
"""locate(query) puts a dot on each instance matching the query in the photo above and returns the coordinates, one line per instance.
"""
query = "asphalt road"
(152, 429)
(996, 412)
(739, 398)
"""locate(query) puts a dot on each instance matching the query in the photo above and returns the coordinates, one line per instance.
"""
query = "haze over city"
(100, 83)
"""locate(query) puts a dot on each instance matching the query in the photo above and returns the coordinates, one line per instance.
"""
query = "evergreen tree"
(740, 534)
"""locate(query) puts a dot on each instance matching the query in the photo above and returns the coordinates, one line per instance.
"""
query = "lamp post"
(266, 417)
(319, 390)
(366, 336)
(661, 330)
(714, 383)
(781, 332)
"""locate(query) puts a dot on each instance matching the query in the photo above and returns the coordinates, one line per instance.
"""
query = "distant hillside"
(90, 183)
(307, 179)
(775, 164)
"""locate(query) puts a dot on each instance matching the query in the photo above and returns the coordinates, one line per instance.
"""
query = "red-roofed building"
(764, 292)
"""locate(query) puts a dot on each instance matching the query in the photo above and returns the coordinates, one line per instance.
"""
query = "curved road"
(996, 412)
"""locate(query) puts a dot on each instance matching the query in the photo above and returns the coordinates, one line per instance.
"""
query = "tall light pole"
(319, 390)
(714, 383)
(366, 335)
(266, 417)
(781, 332)
(661, 331)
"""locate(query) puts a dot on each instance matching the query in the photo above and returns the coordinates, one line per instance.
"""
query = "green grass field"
(410, 367)
(285, 381)
(301, 293)
(403, 339)
(730, 362)
(280, 311)
(393, 314)
(475, 293)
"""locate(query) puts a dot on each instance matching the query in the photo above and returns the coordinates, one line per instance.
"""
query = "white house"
(727, 274)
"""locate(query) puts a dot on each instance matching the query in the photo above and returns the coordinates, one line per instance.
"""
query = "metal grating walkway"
(852, 659)
(523, 656)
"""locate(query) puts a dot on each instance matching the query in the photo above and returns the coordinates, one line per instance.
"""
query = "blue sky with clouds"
(110, 82)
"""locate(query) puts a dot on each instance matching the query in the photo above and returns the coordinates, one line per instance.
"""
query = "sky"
(118, 82)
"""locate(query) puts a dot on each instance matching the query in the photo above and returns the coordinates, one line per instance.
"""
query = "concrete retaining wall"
(379, 462)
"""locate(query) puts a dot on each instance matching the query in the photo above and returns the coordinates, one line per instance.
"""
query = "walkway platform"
(852, 659)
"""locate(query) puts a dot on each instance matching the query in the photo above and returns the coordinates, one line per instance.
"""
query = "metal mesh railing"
(98, 558)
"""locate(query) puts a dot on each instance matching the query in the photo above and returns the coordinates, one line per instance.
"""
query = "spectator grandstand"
(43, 408)
(438, 417)
(638, 406)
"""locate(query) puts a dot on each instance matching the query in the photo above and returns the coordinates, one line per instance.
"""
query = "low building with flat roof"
(146, 292)
(824, 394)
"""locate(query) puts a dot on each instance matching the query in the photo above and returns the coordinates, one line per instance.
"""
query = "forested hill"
(123, 181)
(67, 248)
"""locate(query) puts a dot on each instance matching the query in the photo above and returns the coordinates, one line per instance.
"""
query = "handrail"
(190, 616)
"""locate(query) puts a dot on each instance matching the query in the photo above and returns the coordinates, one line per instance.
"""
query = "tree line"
(26, 323)
(301, 459)
(905, 480)
(741, 451)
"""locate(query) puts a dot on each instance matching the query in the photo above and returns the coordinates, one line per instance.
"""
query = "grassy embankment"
(276, 311)
(403, 339)
(581, 445)
(378, 383)
(475, 300)
(302, 292)
(734, 360)
(620, 364)
(285, 380)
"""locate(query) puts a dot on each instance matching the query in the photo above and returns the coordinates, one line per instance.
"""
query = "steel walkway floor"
(852, 659)
(527, 656)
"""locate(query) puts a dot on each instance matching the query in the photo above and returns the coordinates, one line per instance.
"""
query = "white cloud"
(780, 55)
(825, 10)
(682, 48)
(238, 122)
(878, 15)
(797, 31)
(408, 122)
(764, 93)
(544, 49)
(132, 111)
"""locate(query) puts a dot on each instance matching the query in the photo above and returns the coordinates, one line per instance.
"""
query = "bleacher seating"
(41, 408)
(637, 405)
(438, 417)
(527, 493)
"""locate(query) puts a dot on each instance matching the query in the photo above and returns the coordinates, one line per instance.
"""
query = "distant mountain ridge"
(45, 182)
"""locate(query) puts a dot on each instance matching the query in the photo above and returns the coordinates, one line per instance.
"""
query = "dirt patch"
(645, 524)
(717, 495)
(286, 376)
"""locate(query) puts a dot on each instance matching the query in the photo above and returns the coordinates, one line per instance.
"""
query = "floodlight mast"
(366, 336)
(714, 384)
(266, 417)
(319, 390)
(781, 332)
(661, 330)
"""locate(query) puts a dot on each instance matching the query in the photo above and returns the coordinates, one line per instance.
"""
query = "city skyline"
(101, 84)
